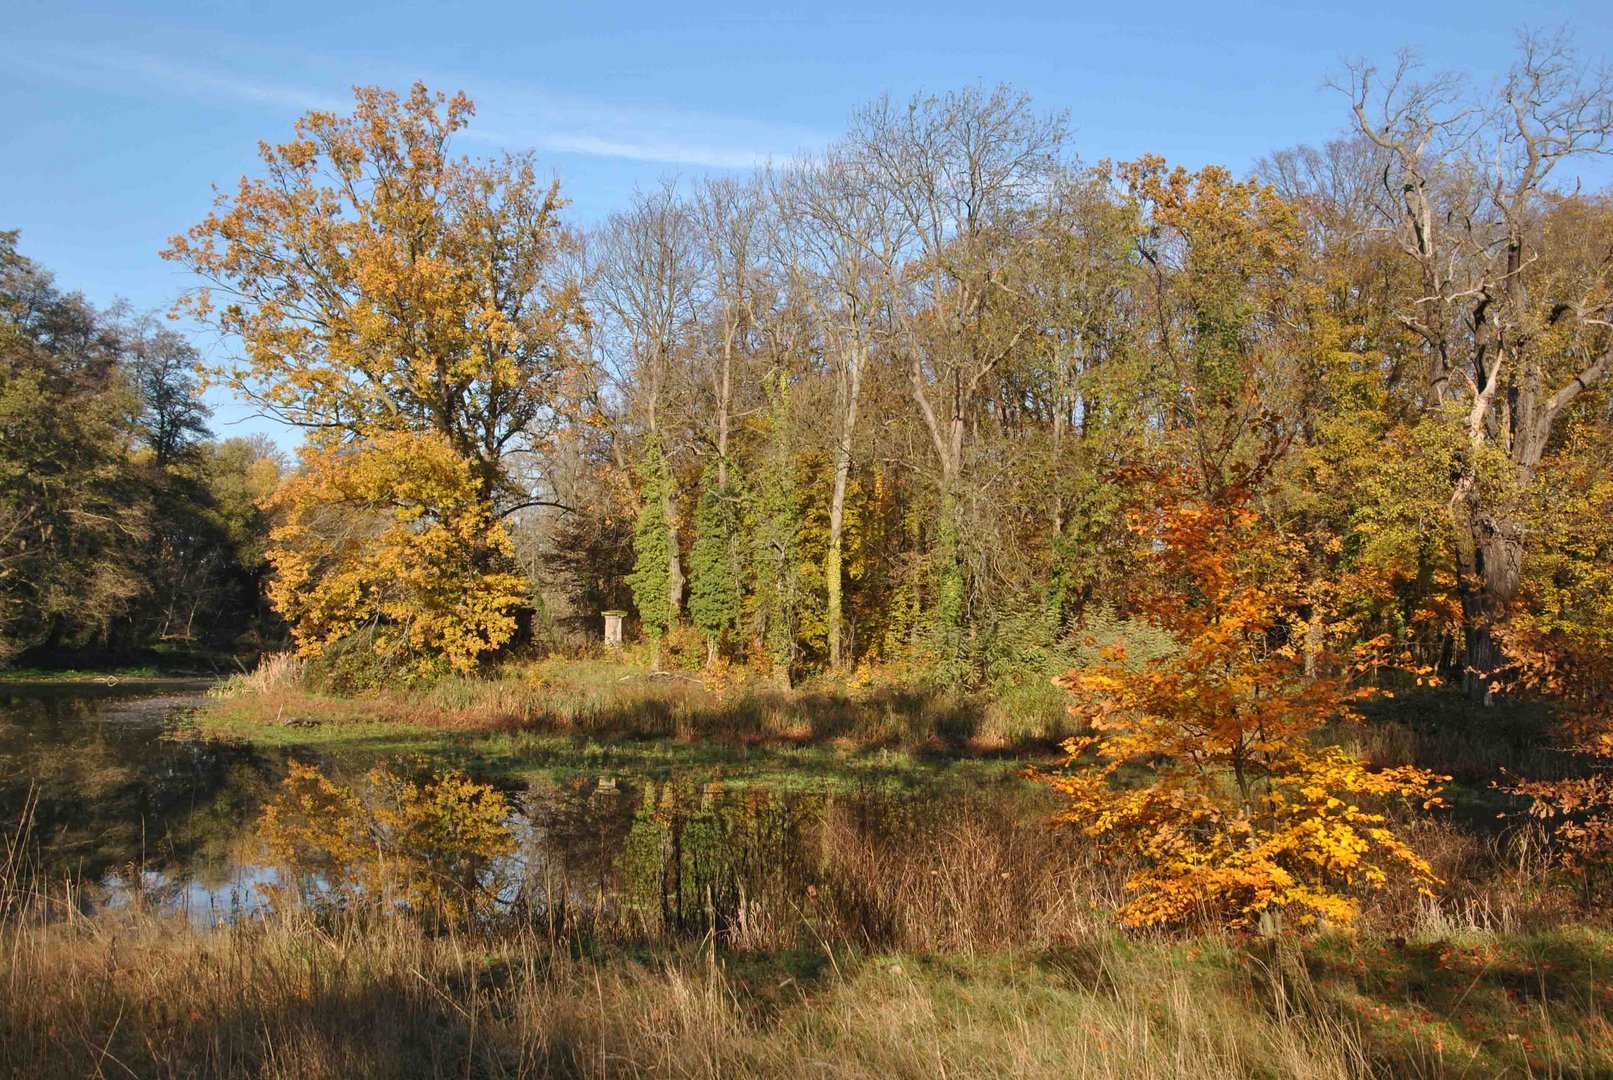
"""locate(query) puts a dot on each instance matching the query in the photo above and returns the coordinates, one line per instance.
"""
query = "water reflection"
(111, 803)
(657, 858)
(137, 817)
(944, 864)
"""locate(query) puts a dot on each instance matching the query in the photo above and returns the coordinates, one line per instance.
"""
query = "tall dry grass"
(146, 996)
(275, 672)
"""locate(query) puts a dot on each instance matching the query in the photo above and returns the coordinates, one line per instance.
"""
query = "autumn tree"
(1083, 397)
(163, 366)
(72, 511)
(845, 235)
(980, 338)
(646, 273)
(954, 167)
(387, 293)
(1232, 804)
(652, 590)
(123, 526)
(731, 217)
(1509, 293)
(392, 536)
(1559, 645)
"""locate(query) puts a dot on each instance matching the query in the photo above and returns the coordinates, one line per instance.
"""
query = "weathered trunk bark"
(832, 573)
(1489, 561)
(724, 395)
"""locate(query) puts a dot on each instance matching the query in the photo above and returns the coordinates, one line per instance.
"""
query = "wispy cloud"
(650, 149)
(510, 114)
(94, 66)
(533, 115)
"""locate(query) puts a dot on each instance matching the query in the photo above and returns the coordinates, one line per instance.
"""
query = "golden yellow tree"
(1559, 645)
(1205, 765)
(393, 535)
(389, 296)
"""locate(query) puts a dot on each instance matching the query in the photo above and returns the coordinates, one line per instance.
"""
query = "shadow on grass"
(653, 731)
(1480, 1004)
(1475, 746)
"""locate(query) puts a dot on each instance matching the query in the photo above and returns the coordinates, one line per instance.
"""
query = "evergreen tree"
(775, 531)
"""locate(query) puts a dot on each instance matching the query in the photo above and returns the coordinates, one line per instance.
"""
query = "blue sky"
(119, 117)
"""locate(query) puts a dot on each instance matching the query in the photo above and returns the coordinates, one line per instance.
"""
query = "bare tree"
(953, 166)
(730, 217)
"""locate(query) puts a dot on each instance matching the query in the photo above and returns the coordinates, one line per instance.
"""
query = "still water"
(110, 798)
(111, 802)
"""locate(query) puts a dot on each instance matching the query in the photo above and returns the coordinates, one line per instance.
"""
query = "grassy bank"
(556, 719)
(82, 675)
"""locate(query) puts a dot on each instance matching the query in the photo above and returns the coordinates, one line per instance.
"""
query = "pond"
(109, 796)
(108, 800)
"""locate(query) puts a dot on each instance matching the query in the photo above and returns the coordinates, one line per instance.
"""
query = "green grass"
(1526, 1003)
(532, 755)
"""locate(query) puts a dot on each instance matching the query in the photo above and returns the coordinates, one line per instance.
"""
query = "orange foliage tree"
(1207, 764)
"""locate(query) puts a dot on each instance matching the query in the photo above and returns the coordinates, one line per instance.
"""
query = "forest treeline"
(937, 396)
(127, 532)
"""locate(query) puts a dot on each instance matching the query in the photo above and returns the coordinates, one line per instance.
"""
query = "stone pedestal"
(613, 627)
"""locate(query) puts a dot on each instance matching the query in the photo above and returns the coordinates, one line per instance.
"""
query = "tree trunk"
(1489, 560)
(832, 574)
(675, 578)
(833, 568)
(724, 393)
